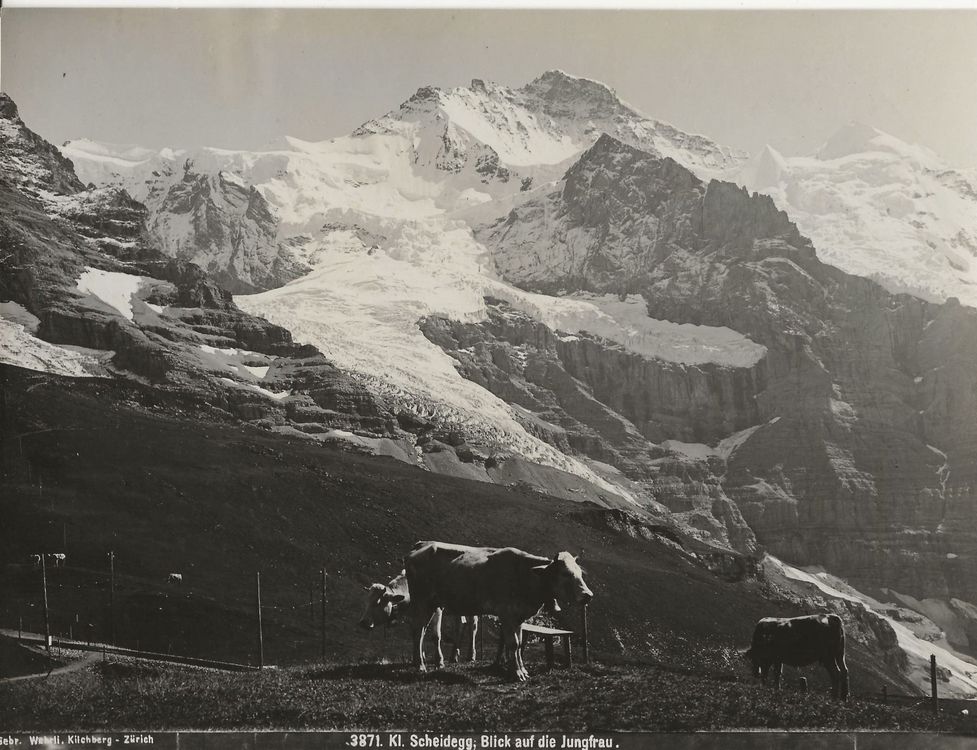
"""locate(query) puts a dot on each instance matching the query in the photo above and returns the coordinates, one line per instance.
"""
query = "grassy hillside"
(602, 697)
(171, 487)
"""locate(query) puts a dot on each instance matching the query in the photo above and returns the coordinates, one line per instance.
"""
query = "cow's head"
(382, 606)
(565, 579)
(750, 658)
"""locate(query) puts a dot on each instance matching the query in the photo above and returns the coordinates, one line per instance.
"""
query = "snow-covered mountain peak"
(449, 127)
(764, 169)
(855, 137)
(879, 207)
(859, 138)
(544, 123)
(560, 94)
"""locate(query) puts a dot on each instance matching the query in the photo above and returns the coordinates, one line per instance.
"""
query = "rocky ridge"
(852, 380)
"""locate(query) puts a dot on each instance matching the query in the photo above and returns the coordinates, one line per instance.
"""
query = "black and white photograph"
(476, 378)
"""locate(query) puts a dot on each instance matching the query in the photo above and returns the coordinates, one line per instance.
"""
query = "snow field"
(113, 288)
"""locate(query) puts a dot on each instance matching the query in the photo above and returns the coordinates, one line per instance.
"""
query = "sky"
(243, 78)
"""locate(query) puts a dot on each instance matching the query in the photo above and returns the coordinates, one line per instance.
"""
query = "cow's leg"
(472, 632)
(436, 625)
(461, 628)
(457, 625)
(418, 628)
(512, 635)
(839, 677)
(500, 656)
(842, 677)
(778, 672)
(834, 674)
(516, 643)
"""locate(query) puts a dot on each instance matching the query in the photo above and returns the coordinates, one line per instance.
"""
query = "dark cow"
(388, 603)
(800, 641)
(509, 583)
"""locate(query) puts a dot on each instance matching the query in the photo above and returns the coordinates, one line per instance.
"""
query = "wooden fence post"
(935, 698)
(261, 639)
(47, 621)
(586, 646)
(112, 637)
(323, 624)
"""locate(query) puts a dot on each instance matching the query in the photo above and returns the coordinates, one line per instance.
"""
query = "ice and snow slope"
(880, 208)
(873, 205)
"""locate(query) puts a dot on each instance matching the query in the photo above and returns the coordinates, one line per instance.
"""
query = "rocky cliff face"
(588, 397)
(35, 164)
(224, 226)
(80, 263)
(859, 466)
(195, 211)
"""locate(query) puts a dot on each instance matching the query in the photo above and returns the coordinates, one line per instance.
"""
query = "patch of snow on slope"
(963, 674)
(113, 288)
(723, 449)
(627, 323)
(18, 347)
(696, 451)
(246, 364)
(277, 395)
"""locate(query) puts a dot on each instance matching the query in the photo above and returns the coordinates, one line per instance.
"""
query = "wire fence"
(277, 621)
(168, 613)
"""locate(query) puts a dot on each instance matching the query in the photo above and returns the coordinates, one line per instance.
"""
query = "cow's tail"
(404, 561)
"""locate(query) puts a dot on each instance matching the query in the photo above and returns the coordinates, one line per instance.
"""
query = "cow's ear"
(367, 588)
